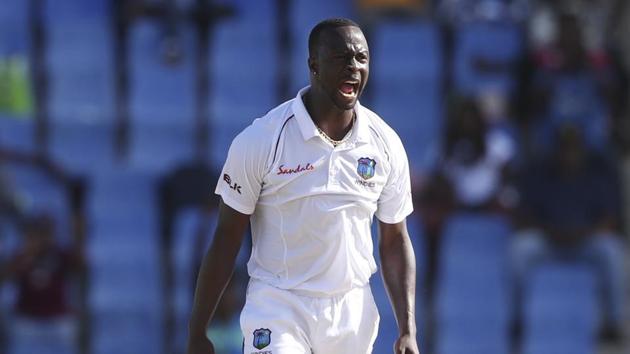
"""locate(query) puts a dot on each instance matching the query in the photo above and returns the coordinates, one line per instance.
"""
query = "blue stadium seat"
(122, 206)
(561, 310)
(471, 298)
(126, 284)
(414, 111)
(14, 22)
(159, 92)
(82, 148)
(81, 75)
(242, 90)
(127, 332)
(423, 52)
(17, 133)
(76, 10)
(80, 60)
(407, 93)
(500, 42)
(159, 148)
(162, 100)
(304, 15)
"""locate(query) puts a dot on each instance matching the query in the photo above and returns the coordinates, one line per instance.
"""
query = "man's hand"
(200, 345)
(406, 344)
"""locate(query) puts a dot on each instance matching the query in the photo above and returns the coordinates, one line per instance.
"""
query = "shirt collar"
(360, 133)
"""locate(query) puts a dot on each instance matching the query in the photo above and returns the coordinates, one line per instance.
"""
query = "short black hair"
(323, 26)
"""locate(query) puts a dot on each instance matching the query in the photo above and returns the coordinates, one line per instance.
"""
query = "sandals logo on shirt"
(366, 167)
(282, 170)
(262, 338)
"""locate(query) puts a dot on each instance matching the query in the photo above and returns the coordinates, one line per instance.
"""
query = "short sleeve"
(241, 179)
(395, 202)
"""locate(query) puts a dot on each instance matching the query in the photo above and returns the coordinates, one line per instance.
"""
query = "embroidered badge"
(262, 338)
(366, 167)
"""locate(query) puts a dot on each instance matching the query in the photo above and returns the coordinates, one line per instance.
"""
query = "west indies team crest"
(262, 338)
(366, 167)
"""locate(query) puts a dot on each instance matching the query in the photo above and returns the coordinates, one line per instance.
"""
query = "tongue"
(347, 88)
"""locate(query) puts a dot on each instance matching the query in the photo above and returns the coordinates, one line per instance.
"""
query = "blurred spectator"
(9, 210)
(44, 321)
(593, 18)
(475, 157)
(15, 89)
(569, 211)
(8, 200)
(435, 202)
(472, 175)
(571, 85)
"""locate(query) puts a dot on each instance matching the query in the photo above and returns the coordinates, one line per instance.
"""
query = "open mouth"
(349, 88)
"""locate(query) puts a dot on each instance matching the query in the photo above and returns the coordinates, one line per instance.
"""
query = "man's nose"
(352, 64)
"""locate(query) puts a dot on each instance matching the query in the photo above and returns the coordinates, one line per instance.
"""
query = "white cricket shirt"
(312, 205)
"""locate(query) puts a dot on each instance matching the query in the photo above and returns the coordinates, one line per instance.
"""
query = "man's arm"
(215, 273)
(398, 266)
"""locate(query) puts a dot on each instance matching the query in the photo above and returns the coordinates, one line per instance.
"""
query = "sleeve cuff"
(234, 204)
(394, 219)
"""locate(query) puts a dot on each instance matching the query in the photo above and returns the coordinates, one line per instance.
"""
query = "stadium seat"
(126, 332)
(162, 99)
(471, 299)
(414, 111)
(495, 42)
(242, 89)
(422, 44)
(81, 73)
(126, 284)
(161, 92)
(76, 10)
(406, 93)
(112, 198)
(160, 148)
(561, 310)
(17, 133)
(80, 60)
(14, 33)
(82, 148)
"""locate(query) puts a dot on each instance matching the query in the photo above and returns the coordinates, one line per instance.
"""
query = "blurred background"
(115, 116)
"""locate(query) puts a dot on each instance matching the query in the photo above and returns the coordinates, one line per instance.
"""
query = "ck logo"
(233, 186)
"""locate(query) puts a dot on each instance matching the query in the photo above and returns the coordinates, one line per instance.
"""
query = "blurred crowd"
(543, 143)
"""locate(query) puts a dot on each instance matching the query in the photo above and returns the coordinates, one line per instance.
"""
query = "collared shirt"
(312, 204)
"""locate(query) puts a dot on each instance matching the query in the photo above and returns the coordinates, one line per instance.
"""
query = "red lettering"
(299, 168)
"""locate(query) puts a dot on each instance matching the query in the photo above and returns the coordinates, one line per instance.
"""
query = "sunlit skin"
(339, 71)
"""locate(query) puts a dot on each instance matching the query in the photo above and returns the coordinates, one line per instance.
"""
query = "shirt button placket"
(332, 169)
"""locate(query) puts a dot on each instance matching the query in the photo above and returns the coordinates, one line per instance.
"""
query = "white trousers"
(276, 321)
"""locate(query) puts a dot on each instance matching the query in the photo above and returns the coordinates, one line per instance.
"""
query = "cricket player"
(309, 176)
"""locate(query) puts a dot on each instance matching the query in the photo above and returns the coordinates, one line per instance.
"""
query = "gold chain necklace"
(334, 142)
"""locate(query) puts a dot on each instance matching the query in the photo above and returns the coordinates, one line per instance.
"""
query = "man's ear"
(313, 66)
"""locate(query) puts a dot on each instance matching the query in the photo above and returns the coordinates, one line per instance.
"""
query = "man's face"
(342, 65)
